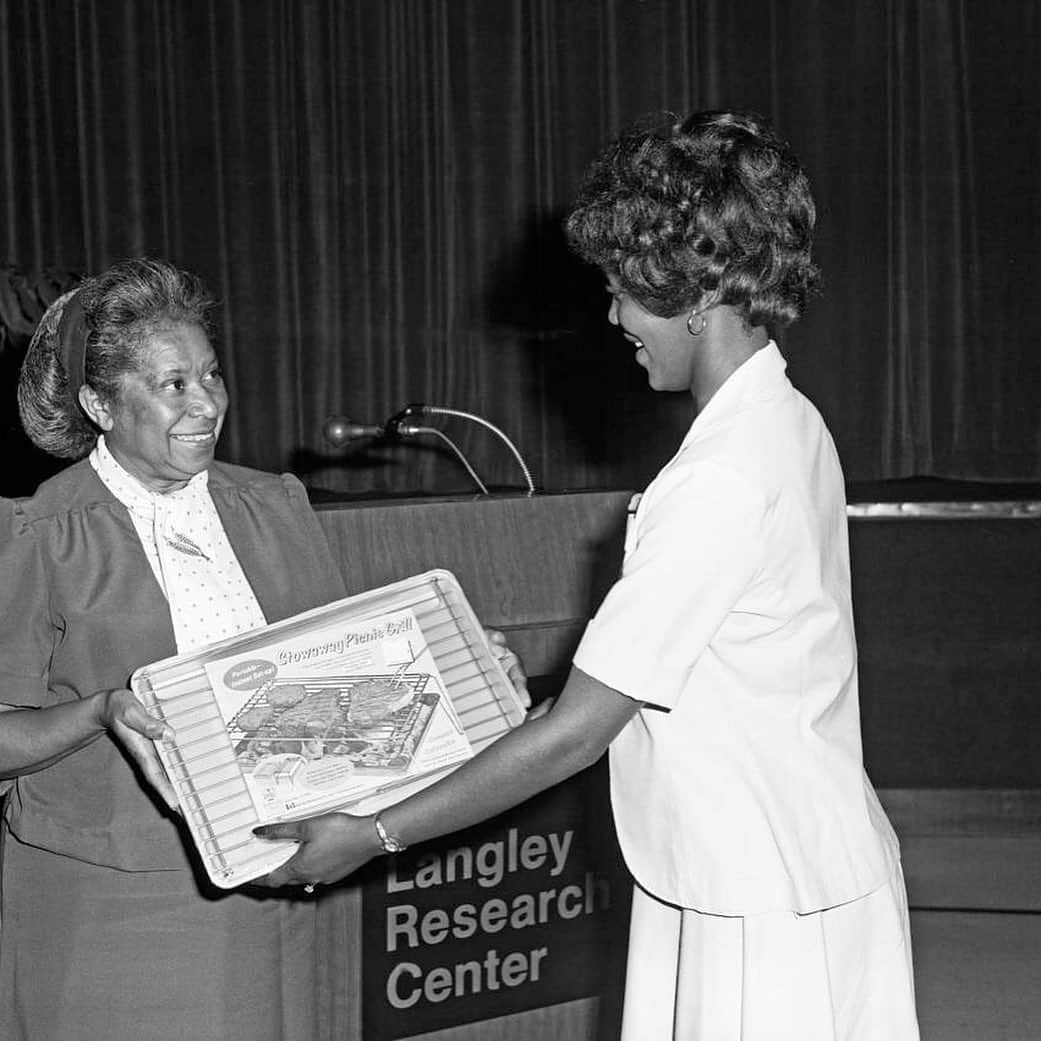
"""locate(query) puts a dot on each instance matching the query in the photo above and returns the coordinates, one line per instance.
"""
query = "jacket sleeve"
(314, 549)
(27, 632)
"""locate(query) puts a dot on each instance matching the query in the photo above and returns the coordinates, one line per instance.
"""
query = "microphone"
(339, 430)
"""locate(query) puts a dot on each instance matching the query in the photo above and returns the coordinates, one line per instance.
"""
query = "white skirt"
(843, 974)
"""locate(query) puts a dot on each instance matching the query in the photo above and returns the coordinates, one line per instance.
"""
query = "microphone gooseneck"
(438, 410)
(442, 436)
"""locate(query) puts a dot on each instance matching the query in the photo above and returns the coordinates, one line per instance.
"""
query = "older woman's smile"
(204, 438)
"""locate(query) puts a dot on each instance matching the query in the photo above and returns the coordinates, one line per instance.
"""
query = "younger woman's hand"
(120, 712)
(332, 846)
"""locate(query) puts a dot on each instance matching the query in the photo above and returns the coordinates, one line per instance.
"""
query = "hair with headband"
(72, 343)
(94, 336)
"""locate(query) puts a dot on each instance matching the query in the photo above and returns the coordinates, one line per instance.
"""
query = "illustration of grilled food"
(375, 721)
(313, 716)
(285, 695)
(254, 718)
(372, 701)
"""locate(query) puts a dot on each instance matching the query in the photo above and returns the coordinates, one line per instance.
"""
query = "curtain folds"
(375, 192)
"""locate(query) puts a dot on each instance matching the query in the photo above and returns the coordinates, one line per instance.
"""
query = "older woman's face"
(164, 425)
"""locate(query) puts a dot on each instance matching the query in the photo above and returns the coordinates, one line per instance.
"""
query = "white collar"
(755, 379)
(134, 495)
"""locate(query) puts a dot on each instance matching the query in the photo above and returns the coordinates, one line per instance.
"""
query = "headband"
(72, 343)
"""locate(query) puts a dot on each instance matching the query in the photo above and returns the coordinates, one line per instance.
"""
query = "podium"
(514, 930)
(947, 609)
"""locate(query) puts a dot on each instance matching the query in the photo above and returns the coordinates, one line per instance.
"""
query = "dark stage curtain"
(374, 188)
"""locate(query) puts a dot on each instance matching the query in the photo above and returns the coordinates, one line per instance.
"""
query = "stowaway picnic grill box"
(210, 756)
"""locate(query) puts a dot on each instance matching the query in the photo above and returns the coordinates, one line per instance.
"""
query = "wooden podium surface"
(535, 568)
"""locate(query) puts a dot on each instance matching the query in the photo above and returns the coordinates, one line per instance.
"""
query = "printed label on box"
(336, 715)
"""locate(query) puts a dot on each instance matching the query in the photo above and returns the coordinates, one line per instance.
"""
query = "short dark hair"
(122, 307)
(714, 207)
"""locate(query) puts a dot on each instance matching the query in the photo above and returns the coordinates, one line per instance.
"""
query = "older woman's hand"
(510, 663)
(332, 847)
(120, 712)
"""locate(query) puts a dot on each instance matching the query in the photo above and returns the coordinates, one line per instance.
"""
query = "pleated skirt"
(843, 974)
(90, 953)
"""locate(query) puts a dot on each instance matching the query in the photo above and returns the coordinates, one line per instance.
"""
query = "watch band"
(389, 843)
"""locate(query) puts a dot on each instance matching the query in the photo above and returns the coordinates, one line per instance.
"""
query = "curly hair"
(122, 308)
(710, 209)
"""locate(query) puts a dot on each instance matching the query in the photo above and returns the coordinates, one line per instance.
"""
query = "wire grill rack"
(202, 760)
(384, 745)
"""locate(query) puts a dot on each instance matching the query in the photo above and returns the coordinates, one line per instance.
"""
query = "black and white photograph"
(520, 520)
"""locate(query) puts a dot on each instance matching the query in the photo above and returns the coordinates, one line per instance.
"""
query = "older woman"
(144, 548)
(721, 668)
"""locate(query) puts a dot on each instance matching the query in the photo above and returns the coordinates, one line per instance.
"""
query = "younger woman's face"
(664, 347)
(164, 425)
